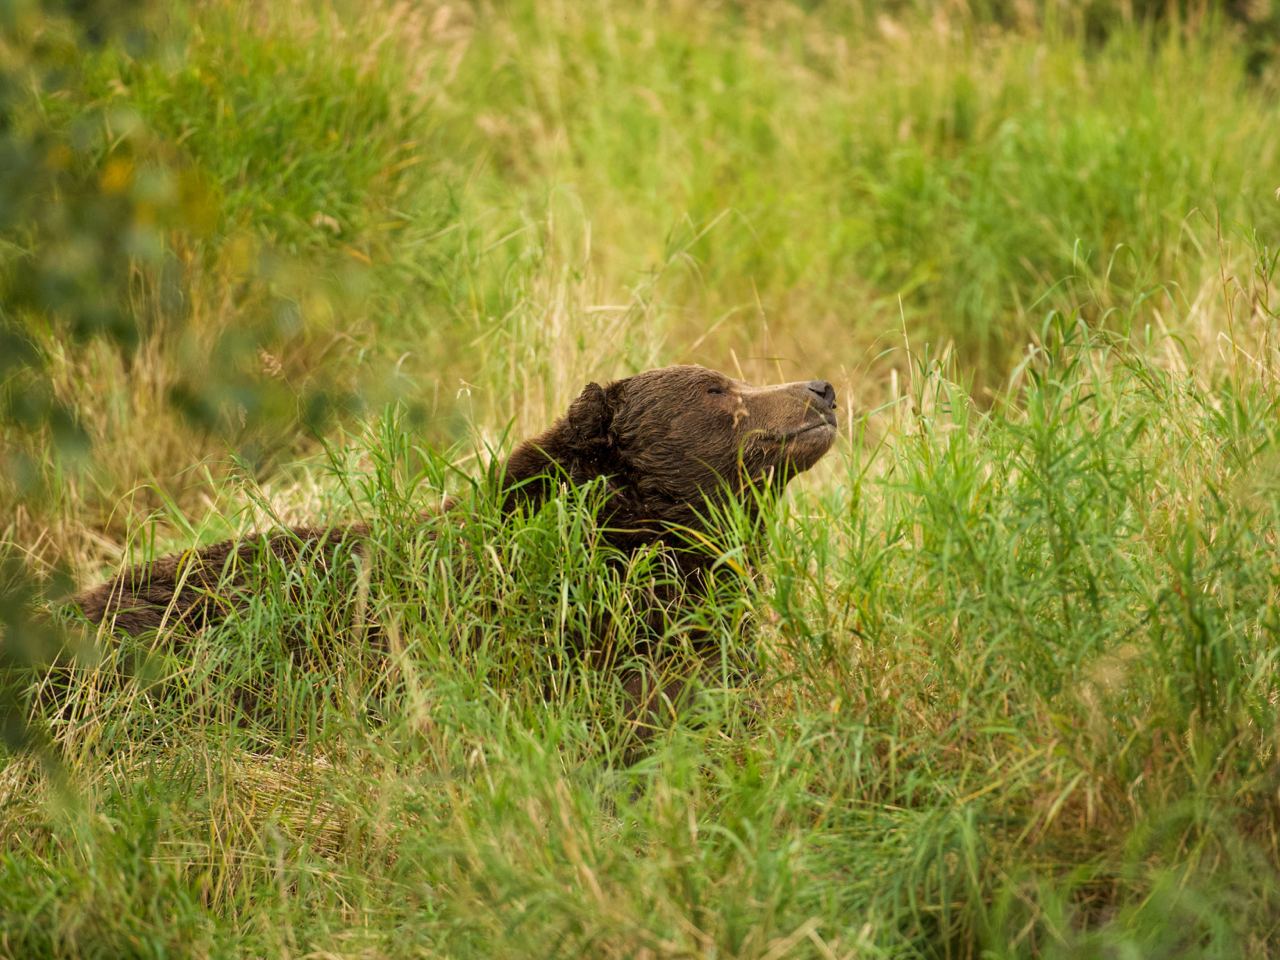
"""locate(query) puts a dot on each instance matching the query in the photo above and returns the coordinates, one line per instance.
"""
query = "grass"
(1016, 693)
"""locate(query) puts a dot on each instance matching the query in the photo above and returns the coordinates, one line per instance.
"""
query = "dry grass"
(1017, 694)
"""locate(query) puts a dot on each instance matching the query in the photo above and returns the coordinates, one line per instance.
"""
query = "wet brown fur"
(668, 443)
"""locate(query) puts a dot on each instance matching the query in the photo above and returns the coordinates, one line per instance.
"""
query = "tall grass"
(1013, 641)
(491, 206)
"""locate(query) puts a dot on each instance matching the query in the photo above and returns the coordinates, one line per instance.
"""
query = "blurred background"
(227, 228)
(259, 259)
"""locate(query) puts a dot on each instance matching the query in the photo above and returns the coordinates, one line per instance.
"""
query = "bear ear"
(577, 447)
(589, 418)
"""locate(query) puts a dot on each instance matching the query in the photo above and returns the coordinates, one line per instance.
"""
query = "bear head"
(668, 441)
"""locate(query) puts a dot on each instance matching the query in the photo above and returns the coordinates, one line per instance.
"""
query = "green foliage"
(1014, 642)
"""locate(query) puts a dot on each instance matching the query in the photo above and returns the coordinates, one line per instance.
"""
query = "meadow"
(1016, 636)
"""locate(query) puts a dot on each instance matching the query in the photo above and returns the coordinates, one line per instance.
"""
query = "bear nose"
(824, 391)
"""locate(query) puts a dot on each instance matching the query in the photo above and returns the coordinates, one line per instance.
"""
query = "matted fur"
(666, 444)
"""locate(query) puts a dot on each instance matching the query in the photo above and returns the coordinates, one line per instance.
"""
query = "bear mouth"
(826, 424)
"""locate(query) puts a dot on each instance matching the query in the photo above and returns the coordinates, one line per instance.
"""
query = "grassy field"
(1018, 634)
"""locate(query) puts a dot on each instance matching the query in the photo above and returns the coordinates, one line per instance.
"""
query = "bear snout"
(824, 392)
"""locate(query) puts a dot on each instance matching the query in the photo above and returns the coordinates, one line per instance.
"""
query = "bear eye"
(716, 390)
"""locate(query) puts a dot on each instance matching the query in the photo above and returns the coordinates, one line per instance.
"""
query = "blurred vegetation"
(1019, 633)
(223, 222)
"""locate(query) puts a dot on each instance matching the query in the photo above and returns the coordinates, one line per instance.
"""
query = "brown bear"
(668, 445)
